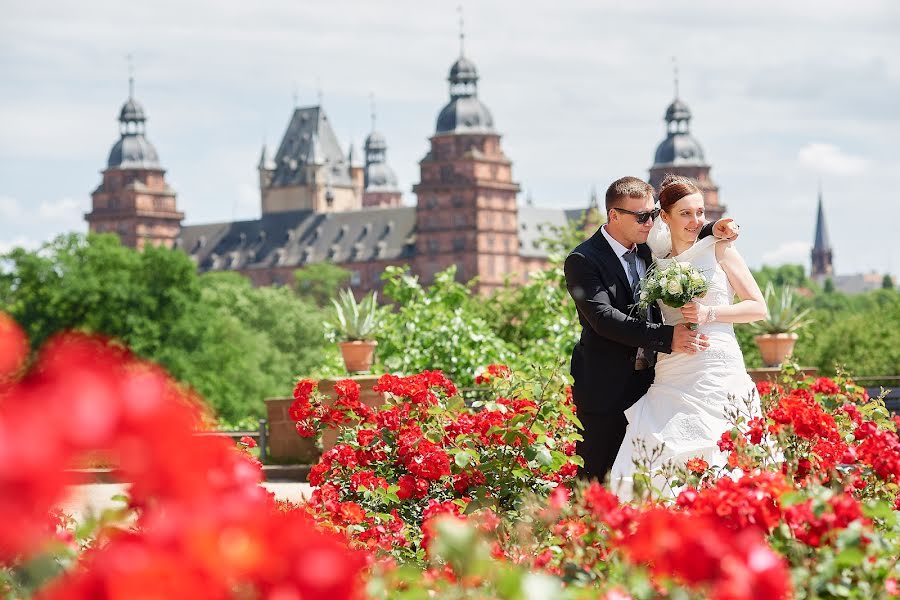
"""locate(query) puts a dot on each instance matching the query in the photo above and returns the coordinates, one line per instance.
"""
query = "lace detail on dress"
(684, 427)
(723, 354)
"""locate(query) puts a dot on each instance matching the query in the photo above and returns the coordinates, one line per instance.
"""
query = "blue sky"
(783, 95)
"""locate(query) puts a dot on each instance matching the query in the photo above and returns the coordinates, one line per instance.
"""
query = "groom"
(612, 364)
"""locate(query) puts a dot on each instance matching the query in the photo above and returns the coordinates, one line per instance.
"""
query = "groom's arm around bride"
(612, 364)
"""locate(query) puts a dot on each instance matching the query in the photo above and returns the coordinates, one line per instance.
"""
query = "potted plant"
(353, 328)
(777, 332)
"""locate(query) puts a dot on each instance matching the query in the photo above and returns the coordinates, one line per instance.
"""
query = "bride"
(685, 408)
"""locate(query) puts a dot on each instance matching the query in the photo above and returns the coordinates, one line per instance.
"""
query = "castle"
(322, 204)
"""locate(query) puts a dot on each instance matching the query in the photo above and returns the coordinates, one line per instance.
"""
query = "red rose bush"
(432, 496)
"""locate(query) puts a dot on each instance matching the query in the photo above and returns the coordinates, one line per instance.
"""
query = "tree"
(793, 275)
(887, 282)
(95, 284)
(233, 343)
(320, 282)
(437, 327)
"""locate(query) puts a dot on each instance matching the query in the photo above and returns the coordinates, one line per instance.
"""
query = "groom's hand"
(726, 229)
(688, 341)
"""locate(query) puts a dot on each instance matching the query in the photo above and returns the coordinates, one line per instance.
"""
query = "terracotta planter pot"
(775, 347)
(367, 395)
(358, 355)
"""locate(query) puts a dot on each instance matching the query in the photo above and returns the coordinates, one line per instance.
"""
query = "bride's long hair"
(672, 189)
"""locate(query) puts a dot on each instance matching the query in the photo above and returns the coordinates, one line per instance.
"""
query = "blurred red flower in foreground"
(205, 528)
(702, 552)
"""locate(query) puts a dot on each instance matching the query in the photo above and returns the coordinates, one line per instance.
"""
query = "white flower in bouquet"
(675, 285)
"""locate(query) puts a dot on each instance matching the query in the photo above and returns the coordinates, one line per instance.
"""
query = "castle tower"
(134, 201)
(466, 212)
(309, 171)
(381, 187)
(680, 154)
(821, 250)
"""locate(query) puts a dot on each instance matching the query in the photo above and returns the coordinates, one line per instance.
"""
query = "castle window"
(459, 244)
(432, 201)
(355, 278)
(457, 201)
(433, 246)
(459, 220)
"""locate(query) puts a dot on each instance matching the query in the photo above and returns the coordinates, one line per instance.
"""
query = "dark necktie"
(631, 258)
(644, 358)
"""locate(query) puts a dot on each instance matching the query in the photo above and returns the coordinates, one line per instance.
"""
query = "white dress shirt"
(620, 251)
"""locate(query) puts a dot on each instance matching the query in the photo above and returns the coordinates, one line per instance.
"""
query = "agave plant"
(782, 315)
(353, 320)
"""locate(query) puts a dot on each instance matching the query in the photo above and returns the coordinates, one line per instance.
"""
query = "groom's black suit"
(603, 361)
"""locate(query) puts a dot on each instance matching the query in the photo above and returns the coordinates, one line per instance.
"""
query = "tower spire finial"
(295, 96)
(372, 108)
(130, 58)
(675, 74)
(462, 30)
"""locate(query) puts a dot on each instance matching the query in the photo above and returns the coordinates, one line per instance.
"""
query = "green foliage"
(782, 315)
(233, 343)
(320, 282)
(538, 319)
(793, 275)
(859, 333)
(96, 285)
(438, 327)
(354, 321)
(887, 282)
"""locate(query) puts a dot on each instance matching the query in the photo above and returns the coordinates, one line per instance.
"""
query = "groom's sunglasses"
(640, 217)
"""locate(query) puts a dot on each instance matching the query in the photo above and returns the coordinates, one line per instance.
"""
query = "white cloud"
(10, 211)
(66, 211)
(19, 242)
(829, 159)
(576, 93)
(794, 252)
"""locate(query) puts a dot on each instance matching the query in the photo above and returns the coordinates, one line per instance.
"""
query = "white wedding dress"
(684, 409)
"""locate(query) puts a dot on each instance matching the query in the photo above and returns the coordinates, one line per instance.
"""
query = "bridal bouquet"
(676, 285)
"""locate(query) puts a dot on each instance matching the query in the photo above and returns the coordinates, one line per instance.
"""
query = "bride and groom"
(651, 377)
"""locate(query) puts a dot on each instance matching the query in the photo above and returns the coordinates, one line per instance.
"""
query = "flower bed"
(426, 497)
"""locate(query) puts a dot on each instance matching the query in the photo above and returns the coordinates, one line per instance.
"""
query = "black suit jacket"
(603, 359)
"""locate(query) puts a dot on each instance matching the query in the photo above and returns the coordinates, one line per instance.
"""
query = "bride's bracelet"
(711, 315)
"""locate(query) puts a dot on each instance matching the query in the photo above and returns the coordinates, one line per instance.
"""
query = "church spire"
(821, 251)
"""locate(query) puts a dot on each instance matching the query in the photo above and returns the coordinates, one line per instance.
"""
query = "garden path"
(98, 496)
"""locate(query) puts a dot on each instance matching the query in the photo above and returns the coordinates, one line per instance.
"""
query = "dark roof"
(132, 110)
(463, 70)
(678, 111)
(681, 149)
(821, 240)
(133, 151)
(465, 114)
(309, 140)
(381, 178)
(536, 223)
(293, 239)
